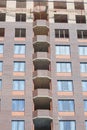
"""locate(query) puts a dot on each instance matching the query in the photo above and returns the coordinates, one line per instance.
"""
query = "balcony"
(41, 55)
(41, 39)
(42, 83)
(42, 114)
(42, 93)
(41, 27)
(42, 73)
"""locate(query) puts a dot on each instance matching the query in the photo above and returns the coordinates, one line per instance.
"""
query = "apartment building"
(43, 65)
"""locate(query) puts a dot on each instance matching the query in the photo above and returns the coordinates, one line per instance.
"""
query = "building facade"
(43, 65)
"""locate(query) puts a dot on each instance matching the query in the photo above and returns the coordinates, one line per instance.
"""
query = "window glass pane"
(83, 67)
(85, 105)
(64, 85)
(67, 125)
(18, 84)
(0, 66)
(19, 66)
(63, 67)
(84, 85)
(1, 49)
(0, 84)
(66, 105)
(62, 50)
(18, 125)
(18, 105)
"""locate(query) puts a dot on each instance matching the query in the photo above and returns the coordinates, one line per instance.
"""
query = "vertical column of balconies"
(42, 95)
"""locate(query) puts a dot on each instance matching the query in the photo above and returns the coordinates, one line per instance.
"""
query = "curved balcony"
(41, 39)
(42, 74)
(42, 93)
(41, 55)
(47, 114)
(41, 27)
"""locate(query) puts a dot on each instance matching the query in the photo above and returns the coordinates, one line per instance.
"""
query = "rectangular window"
(64, 85)
(18, 125)
(83, 50)
(82, 34)
(19, 66)
(66, 105)
(86, 124)
(67, 125)
(20, 32)
(1, 66)
(60, 18)
(83, 67)
(61, 33)
(0, 84)
(3, 3)
(80, 19)
(20, 3)
(2, 32)
(79, 5)
(85, 105)
(84, 85)
(20, 17)
(1, 48)
(19, 49)
(60, 5)
(62, 50)
(18, 85)
(18, 105)
(63, 67)
(2, 16)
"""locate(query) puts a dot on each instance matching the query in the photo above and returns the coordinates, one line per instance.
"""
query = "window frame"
(19, 66)
(65, 105)
(17, 85)
(15, 124)
(18, 105)
(19, 49)
(64, 67)
(65, 85)
(62, 50)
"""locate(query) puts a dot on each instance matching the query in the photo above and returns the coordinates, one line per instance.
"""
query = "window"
(18, 85)
(2, 3)
(80, 19)
(1, 64)
(20, 32)
(63, 67)
(2, 32)
(85, 105)
(1, 48)
(66, 105)
(60, 5)
(20, 3)
(64, 85)
(60, 18)
(61, 33)
(84, 85)
(83, 67)
(62, 50)
(0, 84)
(2, 16)
(79, 5)
(20, 17)
(86, 124)
(19, 49)
(19, 66)
(18, 105)
(82, 34)
(18, 125)
(82, 50)
(67, 125)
